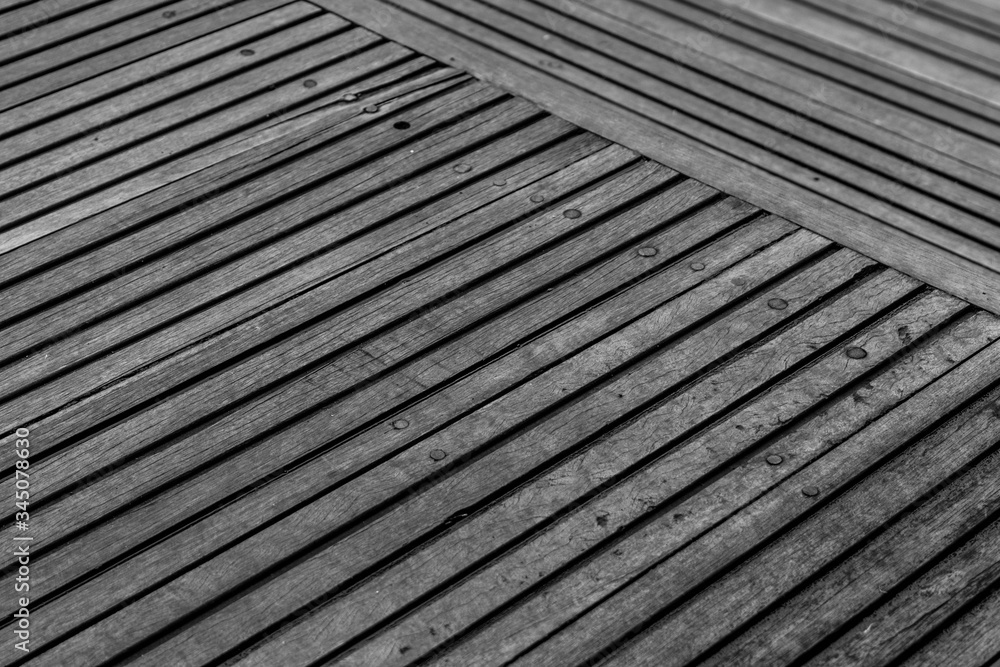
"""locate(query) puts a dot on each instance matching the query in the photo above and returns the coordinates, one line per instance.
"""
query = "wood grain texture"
(79, 167)
(922, 607)
(206, 173)
(331, 354)
(121, 57)
(23, 16)
(971, 640)
(148, 78)
(890, 489)
(637, 113)
(308, 303)
(909, 544)
(765, 427)
(493, 336)
(435, 500)
(860, 41)
(567, 485)
(238, 236)
(46, 26)
(275, 407)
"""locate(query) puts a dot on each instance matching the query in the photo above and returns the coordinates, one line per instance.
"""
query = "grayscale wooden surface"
(333, 353)
(873, 123)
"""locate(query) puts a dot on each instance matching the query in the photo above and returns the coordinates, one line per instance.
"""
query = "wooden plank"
(850, 45)
(49, 114)
(184, 96)
(100, 63)
(740, 62)
(830, 533)
(8, 5)
(109, 37)
(497, 335)
(123, 114)
(208, 172)
(565, 486)
(629, 184)
(52, 32)
(312, 344)
(339, 205)
(916, 41)
(914, 541)
(835, 154)
(921, 27)
(764, 427)
(293, 290)
(254, 108)
(677, 572)
(24, 17)
(628, 126)
(352, 367)
(115, 259)
(337, 371)
(406, 469)
(569, 485)
(921, 609)
(263, 409)
(978, 119)
(592, 410)
(972, 640)
(970, 15)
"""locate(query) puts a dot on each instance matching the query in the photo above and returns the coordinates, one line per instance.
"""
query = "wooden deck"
(874, 123)
(331, 353)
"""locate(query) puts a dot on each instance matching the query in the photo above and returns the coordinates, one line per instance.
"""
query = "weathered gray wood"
(206, 173)
(448, 403)
(739, 62)
(884, 563)
(701, 116)
(309, 365)
(538, 229)
(72, 110)
(637, 180)
(8, 5)
(972, 640)
(114, 35)
(820, 26)
(922, 607)
(265, 412)
(314, 274)
(565, 486)
(562, 487)
(234, 236)
(763, 420)
(122, 120)
(24, 15)
(850, 47)
(623, 120)
(41, 32)
(520, 220)
(838, 527)
(98, 168)
(431, 497)
(317, 248)
(50, 82)
(682, 570)
(790, 45)
(809, 142)
(970, 14)
(923, 30)
(34, 28)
